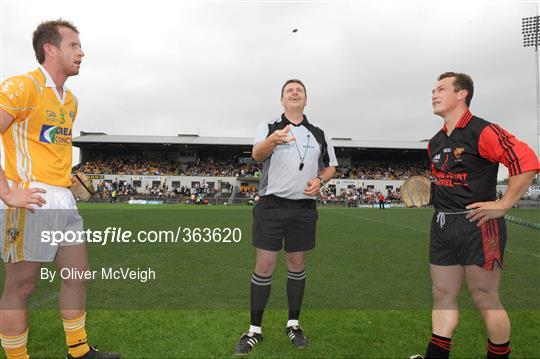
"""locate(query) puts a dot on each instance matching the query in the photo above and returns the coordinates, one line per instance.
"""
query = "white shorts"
(21, 235)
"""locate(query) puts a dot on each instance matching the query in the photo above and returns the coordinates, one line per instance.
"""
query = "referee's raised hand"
(281, 137)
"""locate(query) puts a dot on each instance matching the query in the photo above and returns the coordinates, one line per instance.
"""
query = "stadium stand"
(193, 169)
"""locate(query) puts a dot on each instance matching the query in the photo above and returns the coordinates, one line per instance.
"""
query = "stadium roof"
(181, 139)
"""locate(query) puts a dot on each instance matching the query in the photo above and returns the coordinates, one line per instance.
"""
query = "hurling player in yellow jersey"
(36, 117)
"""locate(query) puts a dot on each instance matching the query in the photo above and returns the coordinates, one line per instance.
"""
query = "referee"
(297, 161)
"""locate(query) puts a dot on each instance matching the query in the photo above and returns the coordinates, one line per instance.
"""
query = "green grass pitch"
(368, 292)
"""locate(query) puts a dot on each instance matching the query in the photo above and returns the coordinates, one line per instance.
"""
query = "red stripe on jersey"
(498, 145)
(433, 170)
(491, 243)
(507, 144)
(464, 120)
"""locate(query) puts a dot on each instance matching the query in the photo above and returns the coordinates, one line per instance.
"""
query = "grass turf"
(367, 294)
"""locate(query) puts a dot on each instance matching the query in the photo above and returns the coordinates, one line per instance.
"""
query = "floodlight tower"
(530, 29)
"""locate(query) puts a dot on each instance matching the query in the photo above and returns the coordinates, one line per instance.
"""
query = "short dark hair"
(48, 33)
(293, 81)
(461, 82)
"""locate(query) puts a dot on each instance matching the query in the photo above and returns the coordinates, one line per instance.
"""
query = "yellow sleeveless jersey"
(37, 145)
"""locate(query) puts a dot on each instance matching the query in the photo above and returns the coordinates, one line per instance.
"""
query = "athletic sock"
(438, 347)
(255, 329)
(498, 350)
(76, 336)
(15, 345)
(260, 292)
(293, 323)
(296, 282)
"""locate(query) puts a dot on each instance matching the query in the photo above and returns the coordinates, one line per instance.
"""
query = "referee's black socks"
(296, 282)
(260, 292)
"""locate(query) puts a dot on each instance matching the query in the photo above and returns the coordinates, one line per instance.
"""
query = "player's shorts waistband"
(47, 187)
(43, 185)
(441, 216)
(451, 213)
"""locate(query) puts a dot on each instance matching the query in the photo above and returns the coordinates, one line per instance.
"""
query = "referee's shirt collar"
(286, 120)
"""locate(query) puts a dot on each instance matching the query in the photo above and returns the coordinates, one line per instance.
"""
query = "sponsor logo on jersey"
(55, 135)
(436, 158)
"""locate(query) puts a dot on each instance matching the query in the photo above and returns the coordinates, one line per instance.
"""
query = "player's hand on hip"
(484, 211)
(313, 187)
(281, 137)
(24, 198)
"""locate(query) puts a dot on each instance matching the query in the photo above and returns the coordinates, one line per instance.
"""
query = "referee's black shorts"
(280, 222)
(455, 240)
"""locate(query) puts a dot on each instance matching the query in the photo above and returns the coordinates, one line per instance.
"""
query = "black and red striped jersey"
(465, 164)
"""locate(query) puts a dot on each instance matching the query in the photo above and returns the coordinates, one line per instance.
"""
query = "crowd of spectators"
(383, 170)
(229, 168)
(116, 166)
(104, 189)
(351, 196)
(354, 196)
(233, 168)
(109, 189)
(127, 167)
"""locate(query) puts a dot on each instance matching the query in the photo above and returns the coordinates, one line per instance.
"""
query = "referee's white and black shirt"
(281, 174)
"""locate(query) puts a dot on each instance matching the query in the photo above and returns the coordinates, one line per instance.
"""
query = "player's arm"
(498, 145)
(261, 150)
(13, 196)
